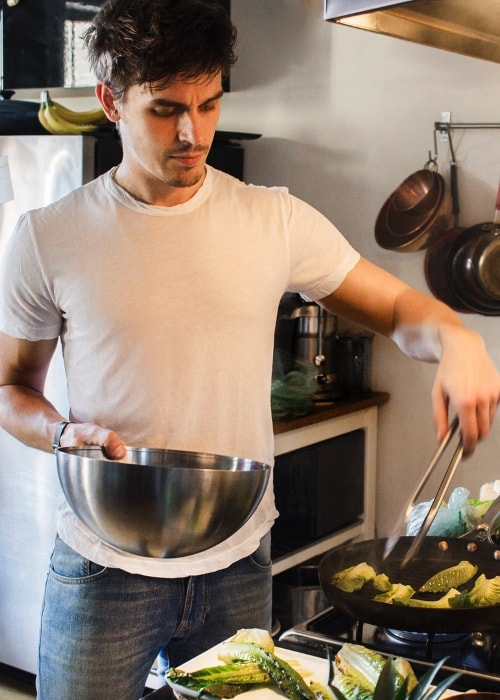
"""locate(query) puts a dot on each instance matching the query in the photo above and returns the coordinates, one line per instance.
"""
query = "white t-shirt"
(166, 317)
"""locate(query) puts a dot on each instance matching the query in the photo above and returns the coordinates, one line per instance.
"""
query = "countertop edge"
(336, 409)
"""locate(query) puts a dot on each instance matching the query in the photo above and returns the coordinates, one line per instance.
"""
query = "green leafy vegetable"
(216, 679)
(486, 591)
(362, 674)
(382, 583)
(452, 577)
(356, 673)
(443, 602)
(354, 577)
(280, 672)
(398, 593)
(360, 667)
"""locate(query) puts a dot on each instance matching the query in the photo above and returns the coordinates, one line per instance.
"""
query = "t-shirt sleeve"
(320, 256)
(27, 309)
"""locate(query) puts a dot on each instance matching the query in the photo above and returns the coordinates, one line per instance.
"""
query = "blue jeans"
(102, 629)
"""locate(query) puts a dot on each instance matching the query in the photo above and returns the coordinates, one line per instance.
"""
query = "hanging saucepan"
(430, 559)
(437, 256)
(415, 212)
(475, 268)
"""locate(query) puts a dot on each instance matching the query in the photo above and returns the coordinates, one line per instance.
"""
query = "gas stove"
(476, 655)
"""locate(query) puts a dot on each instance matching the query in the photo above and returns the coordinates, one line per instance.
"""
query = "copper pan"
(419, 209)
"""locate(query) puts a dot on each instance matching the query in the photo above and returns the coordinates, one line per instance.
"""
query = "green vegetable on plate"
(356, 673)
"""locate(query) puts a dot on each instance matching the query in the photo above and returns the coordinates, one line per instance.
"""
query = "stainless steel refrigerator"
(41, 169)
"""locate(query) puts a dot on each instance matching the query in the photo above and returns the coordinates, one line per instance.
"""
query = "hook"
(435, 147)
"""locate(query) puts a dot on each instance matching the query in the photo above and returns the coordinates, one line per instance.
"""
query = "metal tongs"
(436, 503)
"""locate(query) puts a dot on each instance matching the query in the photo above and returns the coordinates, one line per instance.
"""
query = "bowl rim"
(73, 451)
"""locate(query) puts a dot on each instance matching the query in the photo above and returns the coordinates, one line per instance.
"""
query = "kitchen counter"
(323, 412)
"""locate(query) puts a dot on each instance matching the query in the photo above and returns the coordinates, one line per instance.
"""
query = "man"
(162, 278)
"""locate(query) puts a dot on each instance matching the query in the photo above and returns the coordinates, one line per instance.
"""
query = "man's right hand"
(84, 434)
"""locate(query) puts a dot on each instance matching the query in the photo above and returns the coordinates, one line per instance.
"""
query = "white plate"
(309, 667)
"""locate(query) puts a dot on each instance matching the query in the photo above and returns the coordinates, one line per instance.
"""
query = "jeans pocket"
(68, 565)
(262, 555)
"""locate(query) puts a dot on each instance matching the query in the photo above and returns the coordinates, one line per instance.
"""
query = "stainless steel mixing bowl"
(161, 503)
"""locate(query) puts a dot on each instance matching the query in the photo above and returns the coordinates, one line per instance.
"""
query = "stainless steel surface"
(466, 27)
(476, 655)
(42, 169)
(405, 513)
(161, 503)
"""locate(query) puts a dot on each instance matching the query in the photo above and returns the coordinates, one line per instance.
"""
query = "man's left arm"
(426, 329)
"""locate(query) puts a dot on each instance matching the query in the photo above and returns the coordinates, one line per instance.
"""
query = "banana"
(54, 117)
(91, 116)
(42, 119)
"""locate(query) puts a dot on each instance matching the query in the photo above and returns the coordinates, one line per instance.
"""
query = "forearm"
(28, 415)
(423, 328)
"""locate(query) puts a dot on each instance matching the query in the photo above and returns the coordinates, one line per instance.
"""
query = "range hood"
(468, 27)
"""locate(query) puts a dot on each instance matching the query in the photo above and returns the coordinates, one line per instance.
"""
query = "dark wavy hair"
(134, 42)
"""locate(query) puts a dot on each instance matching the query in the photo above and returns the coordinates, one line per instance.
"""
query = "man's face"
(166, 135)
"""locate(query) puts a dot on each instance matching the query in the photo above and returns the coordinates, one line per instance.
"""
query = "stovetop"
(476, 655)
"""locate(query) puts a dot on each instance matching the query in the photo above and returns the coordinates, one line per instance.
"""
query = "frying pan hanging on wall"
(418, 210)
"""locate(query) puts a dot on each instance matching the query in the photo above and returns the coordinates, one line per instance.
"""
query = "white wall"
(345, 116)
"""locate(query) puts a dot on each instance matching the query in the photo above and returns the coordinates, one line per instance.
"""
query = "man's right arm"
(27, 414)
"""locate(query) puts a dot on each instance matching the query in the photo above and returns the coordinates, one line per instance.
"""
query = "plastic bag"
(292, 387)
(452, 519)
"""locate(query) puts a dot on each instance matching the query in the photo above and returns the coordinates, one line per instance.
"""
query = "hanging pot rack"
(447, 127)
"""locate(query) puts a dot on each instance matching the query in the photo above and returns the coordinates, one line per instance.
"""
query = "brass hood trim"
(467, 27)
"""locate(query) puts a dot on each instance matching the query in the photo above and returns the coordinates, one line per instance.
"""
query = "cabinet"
(338, 419)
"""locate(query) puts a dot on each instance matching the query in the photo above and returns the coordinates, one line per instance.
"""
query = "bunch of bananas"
(58, 119)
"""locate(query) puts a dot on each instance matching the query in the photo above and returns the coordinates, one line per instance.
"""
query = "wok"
(429, 560)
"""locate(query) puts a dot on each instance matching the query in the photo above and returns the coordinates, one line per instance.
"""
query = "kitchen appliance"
(306, 333)
(42, 169)
(353, 362)
(460, 26)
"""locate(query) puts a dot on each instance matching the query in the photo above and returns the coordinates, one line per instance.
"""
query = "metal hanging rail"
(446, 126)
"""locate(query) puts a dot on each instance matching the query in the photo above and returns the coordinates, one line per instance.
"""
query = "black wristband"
(59, 431)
